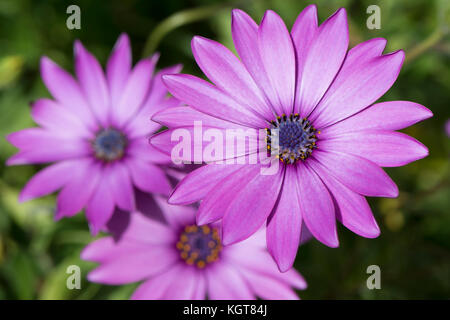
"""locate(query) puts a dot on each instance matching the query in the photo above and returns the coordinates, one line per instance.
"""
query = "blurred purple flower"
(447, 128)
(179, 261)
(96, 130)
(332, 140)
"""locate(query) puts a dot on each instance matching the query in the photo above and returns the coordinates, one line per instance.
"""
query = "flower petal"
(228, 73)
(320, 66)
(148, 177)
(54, 117)
(278, 57)
(47, 180)
(120, 185)
(303, 33)
(135, 91)
(176, 216)
(148, 231)
(224, 191)
(316, 206)
(206, 98)
(358, 174)
(92, 82)
(284, 227)
(76, 193)
(225, 283)
(134, 265)
(251, 206)
(352, 209)
(192, 188)
(118, 68)
(358, 85)
(38, 145)
(385, 148)
(402, 114)
(268, 288)
(184, 116)
(66, 90)
(154, 288)
(99, 208)
(245, 37)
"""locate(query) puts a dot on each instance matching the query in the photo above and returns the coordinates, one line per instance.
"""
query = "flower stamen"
(296, 138)
(199, 245)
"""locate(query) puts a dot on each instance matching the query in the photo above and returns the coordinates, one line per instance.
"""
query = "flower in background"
(447, 128)
(179, 261)
(96, 130)
(304, 86)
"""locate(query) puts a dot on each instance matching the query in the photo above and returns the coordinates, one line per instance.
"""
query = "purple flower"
(333, 140)
(95, 130)
(179, 261)
(447, 128)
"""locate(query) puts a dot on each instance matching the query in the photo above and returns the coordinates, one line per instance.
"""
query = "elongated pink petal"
(154, 288)
(192, 188)
(402, 114)
(144, 151)
(206, 98)
(148, 231)
(66, 90)
(320, 66)
(100, 208)
(176, 216)
(225, 283)
(189, 145)
(257, 259)
(76, 193)
(158, 92)
(268, 288)
(137, 265)
(317, 207)
(303, 33)
(54, 117)
(183, 116)
(92, 82)
(119, 181)
(251, 206)
(118, 68)
(385, 148)
(184, 285)
(284, 227)
(358, 174)
(224, 191)
(228, 73)
(135, 91)
(53, 147)
(141, 125)
(107, 249)
(47, 180)
(278, 57)
(358, 85)
(352, 209)
(148, 177)
(200, 290)
(245, 37)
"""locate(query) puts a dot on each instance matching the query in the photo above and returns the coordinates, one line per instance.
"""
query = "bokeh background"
(413, 250)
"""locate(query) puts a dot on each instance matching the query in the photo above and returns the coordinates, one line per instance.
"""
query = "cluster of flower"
(241, 241)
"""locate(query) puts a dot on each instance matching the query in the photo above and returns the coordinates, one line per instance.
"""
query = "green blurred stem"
(422, 47)
(177, 20)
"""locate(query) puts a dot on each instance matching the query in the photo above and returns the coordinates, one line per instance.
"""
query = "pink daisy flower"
(179, 261)
(333, 140)
(95, 131)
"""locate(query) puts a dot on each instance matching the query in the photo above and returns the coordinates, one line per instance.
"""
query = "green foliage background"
(413, 250)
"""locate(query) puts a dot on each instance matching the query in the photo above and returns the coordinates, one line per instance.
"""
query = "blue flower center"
(109, 145)
(291, 138)
(199, 245)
